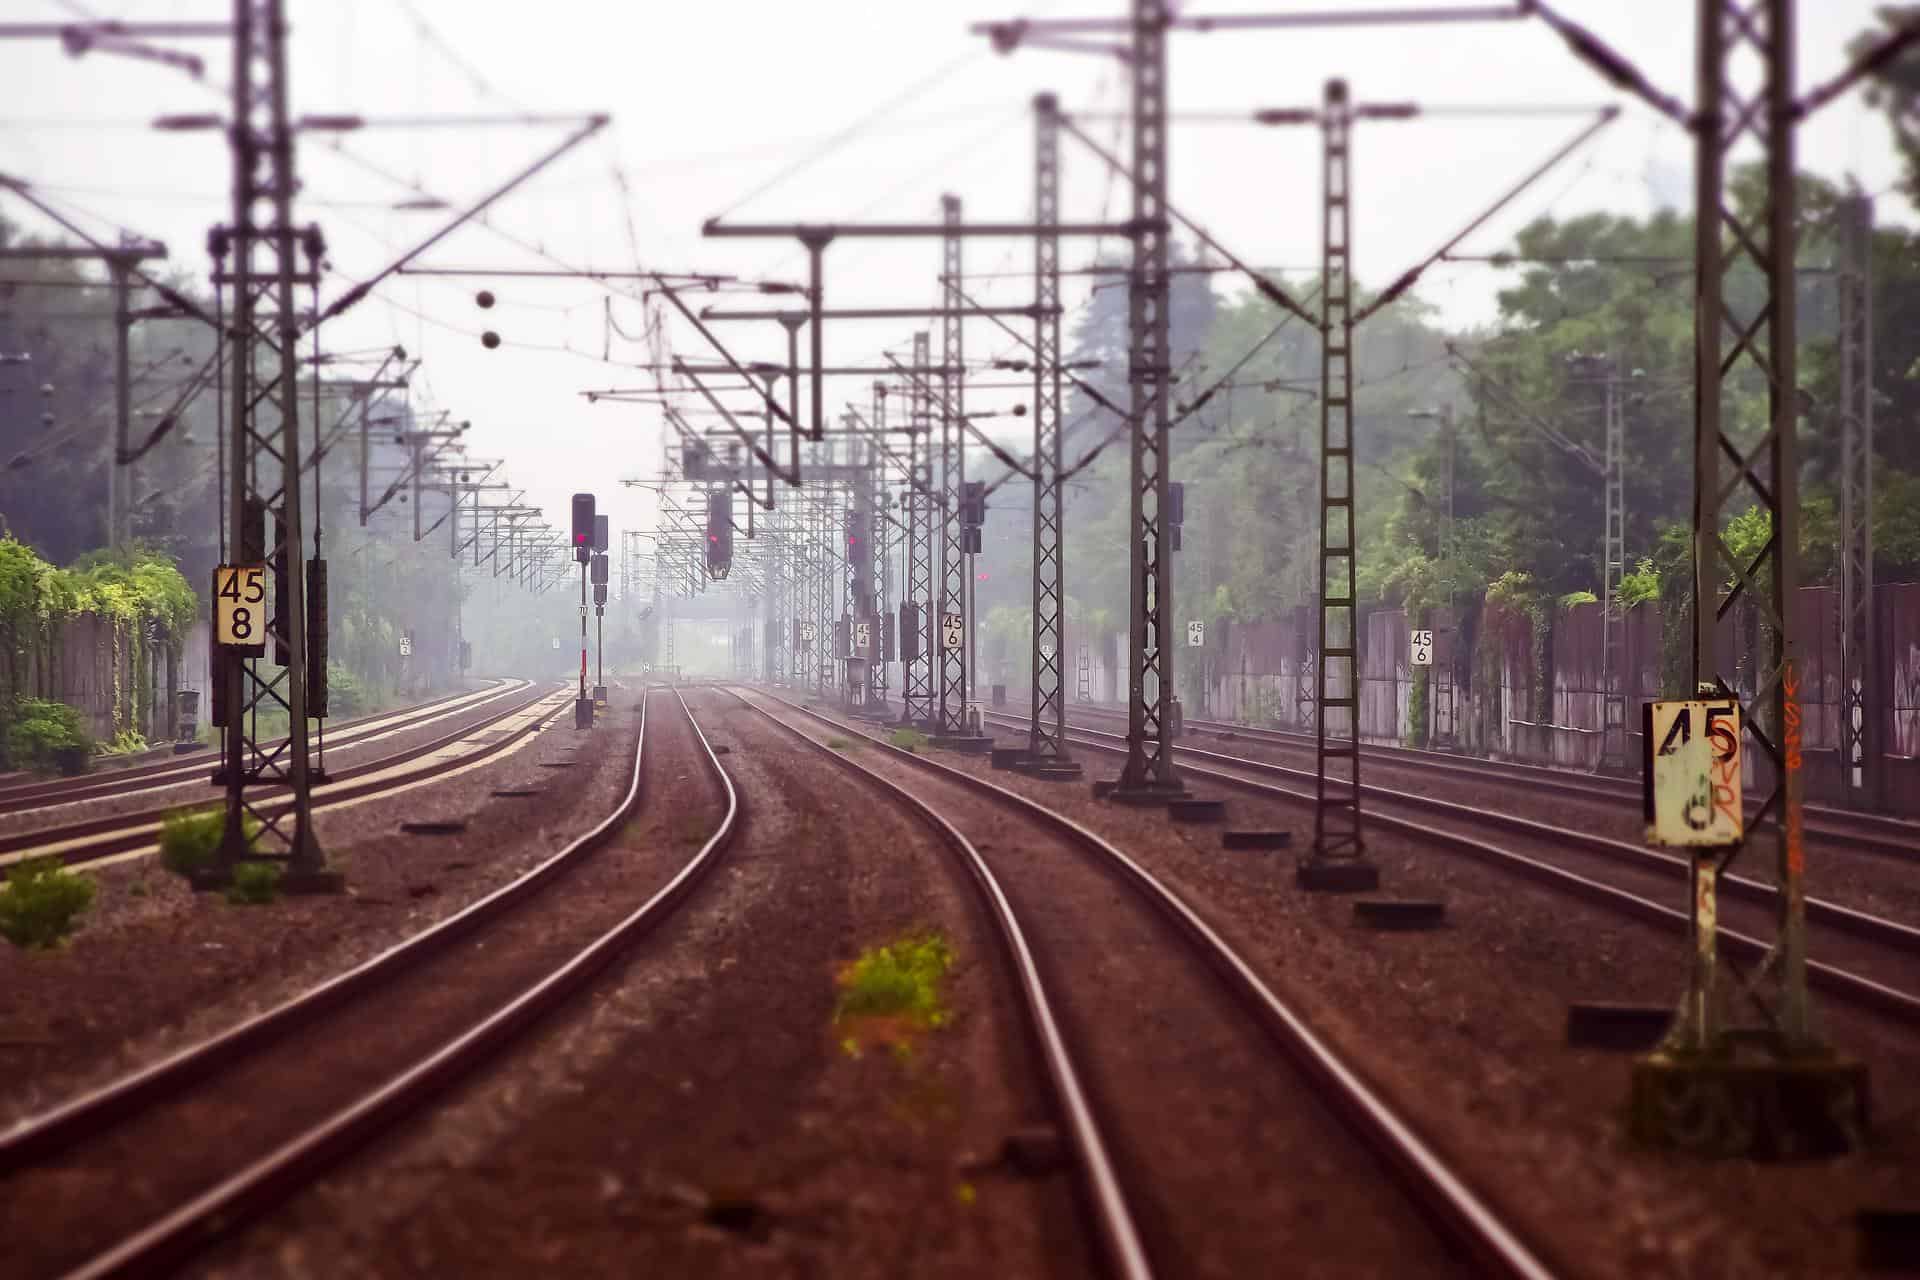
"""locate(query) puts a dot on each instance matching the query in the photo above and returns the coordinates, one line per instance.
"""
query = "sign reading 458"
(239, 607)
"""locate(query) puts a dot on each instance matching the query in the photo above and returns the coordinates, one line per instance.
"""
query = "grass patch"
(42, 902)
(840, 744)
(189, 838)
(893, 991)
(909, 739)
(254, 884)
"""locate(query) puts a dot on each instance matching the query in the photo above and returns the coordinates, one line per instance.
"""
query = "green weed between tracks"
(894, 991)
(41, 903)
(840, 744)
(909, 739)
(189, 838)
(254, 884)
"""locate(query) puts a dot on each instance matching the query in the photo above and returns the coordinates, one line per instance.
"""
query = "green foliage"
(1572, 598)
(899, 980)
(189, 838)
(254, 884)
(1641, 585)
(908, 739)
(125, 743)
(347, 693)
(840, 744)
(41, 903)
(40, 729)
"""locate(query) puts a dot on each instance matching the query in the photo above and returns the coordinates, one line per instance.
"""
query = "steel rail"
(1902, 1006)
(1432, 1185)
(41, 793)
(125, 832)
(1119, 1236)
(1862, 832)
(299, 1161)
(1861, 924)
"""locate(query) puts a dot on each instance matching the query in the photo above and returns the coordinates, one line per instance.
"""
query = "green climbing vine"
(130, 592)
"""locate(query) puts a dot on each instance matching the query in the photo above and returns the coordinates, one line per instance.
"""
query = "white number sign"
(239, 594)
(406, 646)
(862, 638)
(809, 631)
(1693, 751)
(952, 634)
(1196, 635)
(1423, 648)
(1046, 651)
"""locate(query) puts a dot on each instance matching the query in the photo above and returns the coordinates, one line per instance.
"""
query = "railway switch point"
(1767, 1107)
(1256, 839)
(1337, 876)
(1600, 1024)
(1400, 913)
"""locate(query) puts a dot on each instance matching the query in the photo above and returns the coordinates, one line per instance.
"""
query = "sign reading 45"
(239, 607)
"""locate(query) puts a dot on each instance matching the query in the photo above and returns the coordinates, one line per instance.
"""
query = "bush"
(41, 901)
(909, 739)
(42, 731)
(127, 742)
(901, 979)
(254, 883)
(189, 838)
(347, 694)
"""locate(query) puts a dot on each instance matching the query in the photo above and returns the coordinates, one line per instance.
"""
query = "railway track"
(36, 793)
(1156, 1001)
(226, 1129)
(1877, 956)
(94, 839)
(1877, 834)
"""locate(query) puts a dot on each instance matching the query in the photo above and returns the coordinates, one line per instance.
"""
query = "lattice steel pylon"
(1149, 769)
(952, 663)
(263, 509)
(916, 689)
(881, 531)
(1737, 470)
(1336, 815)
(1613, 564)
(1862, 691)
(1047, 736)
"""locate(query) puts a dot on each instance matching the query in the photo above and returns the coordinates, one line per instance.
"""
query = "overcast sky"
(730, 106)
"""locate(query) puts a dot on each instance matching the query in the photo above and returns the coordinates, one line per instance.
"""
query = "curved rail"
(1119, 1236)
(1871, 833)
(300, 1160)
(1902, 1006)
(43, 792)
(122, 833)
(1441, 1193)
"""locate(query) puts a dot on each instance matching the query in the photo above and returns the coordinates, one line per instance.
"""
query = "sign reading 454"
(239, 607)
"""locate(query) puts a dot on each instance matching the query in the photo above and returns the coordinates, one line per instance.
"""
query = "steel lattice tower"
(1737, 469)
(1336, 817)
(1047, 736)
(1863, 692)
(917, 682)
(1613, 564)
(1149, 766)
(952, 663)
(263, 507)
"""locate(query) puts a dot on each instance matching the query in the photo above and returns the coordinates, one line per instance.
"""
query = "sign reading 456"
(239, 608)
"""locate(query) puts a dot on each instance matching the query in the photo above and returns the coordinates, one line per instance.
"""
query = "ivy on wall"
(135, 592)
